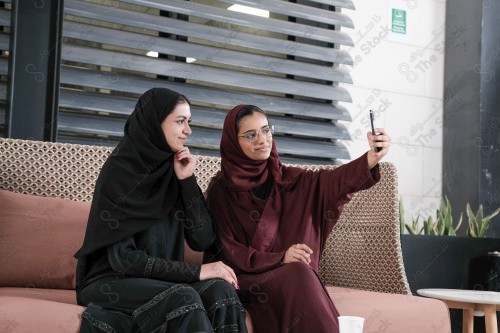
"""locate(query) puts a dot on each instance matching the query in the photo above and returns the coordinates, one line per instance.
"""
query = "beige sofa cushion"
(38, 239)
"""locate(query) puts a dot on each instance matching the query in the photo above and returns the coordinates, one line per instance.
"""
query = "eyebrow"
(184, 117)
(252, 130)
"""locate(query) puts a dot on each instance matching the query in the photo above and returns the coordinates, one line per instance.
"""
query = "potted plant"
(435, 257)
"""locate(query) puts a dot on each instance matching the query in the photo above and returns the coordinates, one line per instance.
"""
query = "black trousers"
(124, 305)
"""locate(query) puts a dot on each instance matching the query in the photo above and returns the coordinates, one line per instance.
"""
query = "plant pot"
(452, 262)
(447, 261)
(494, 271)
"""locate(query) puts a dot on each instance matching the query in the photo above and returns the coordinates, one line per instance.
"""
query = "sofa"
(45, 194)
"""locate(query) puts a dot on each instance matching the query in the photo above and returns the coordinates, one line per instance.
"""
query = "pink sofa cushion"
(24, 315)
(33, 298)
(39, 237)
(54, 295)
(388, 313)
(392, 313)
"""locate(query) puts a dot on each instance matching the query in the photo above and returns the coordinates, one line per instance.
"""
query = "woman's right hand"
(218, 270)
(298, 253)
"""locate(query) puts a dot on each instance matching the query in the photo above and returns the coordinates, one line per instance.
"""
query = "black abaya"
(131, 273)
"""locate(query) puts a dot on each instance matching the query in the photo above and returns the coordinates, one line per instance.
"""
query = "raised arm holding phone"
(273, 221)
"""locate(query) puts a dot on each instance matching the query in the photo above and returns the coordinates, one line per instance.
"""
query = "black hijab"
(136, 187)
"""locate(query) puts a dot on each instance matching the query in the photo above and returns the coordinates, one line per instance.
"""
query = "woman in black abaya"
(131, 274)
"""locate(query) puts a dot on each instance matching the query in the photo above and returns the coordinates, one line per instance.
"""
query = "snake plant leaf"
(472, 230)
(478, 223)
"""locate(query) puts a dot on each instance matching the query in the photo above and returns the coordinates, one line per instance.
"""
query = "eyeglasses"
(252, 136)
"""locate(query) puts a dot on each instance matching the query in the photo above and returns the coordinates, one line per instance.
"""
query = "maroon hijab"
(240, 174)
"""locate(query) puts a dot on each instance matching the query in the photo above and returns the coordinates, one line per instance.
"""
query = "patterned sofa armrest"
(63, 170)
(206, 168)
(364, 249)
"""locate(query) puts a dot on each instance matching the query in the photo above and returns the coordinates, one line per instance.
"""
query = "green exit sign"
(398, 21)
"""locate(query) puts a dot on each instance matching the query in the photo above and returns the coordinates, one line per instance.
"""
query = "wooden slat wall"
(286, 64)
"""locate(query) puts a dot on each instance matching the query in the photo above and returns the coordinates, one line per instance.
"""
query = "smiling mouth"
(261, 149)
(181, 141)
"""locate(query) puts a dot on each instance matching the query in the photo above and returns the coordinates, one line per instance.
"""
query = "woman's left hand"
(184, 163)
(298, 253)
(382, 141)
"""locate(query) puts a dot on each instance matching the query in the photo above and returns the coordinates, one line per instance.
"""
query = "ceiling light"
(249, 10)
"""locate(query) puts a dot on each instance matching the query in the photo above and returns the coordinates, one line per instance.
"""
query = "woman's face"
(176, 126)
(254, 136)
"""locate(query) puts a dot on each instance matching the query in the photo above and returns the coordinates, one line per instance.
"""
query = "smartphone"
(372, 119)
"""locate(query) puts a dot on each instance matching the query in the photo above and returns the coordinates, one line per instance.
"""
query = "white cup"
(351, 324)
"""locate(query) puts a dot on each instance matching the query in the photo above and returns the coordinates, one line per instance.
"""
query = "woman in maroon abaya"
(273, 222)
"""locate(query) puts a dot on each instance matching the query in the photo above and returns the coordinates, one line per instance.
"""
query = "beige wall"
(401, 76)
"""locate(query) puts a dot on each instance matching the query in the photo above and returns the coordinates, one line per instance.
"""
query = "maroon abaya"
(254, 234)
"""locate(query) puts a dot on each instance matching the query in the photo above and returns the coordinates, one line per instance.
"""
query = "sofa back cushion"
(38, 237)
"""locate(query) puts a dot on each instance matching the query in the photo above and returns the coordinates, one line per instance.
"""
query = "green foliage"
(413, 228)
(429, 227)
(478, 224)
(443, 224)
